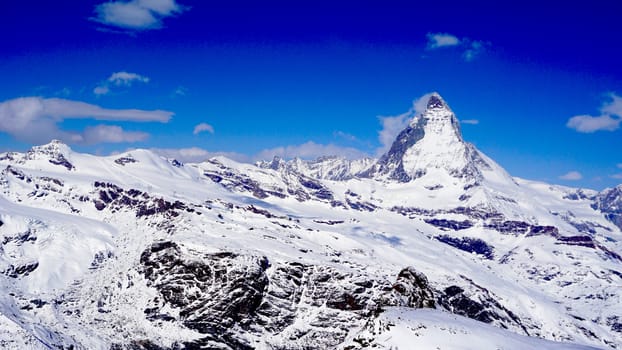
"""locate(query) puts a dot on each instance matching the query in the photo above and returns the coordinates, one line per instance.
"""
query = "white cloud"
(619, 165)
(310, 150)
(36, 119)
(438, 40)
(199, 128)
(119, 79)
(101, 90)
(472, 48)
(126, 78)
(197, 155)
(470, 121)
(572, 176)
(392, 126)
(589, 124)
(609, 120)
(110, 134)
(136, 14)
(614, 107)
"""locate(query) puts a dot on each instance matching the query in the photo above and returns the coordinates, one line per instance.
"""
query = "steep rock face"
(432, 140)
(609, 202)
(231, 299)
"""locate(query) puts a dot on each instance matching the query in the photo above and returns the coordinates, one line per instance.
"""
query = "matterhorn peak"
(431, 141)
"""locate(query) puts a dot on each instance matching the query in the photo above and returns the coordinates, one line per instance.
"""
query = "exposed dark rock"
(450, 224)
(477, 213)
(125, 160)
(468, 244)
(391, 162)
(239, 182)
(481, 306)
(583, 241)
(215, 294)
(578, 195)
(537, 230)
(20, 238)
(329, 222)
(609, 202)
(224, 294)
(9, 170)
(21, 270)
(361, 206)
(414, 287)
(508, 227)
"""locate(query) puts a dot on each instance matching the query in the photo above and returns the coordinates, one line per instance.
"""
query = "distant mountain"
(431, 245)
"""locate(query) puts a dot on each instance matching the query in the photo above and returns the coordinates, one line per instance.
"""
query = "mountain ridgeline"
(432, 244)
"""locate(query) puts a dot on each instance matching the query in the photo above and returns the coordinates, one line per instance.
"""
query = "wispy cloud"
(310, 150)
(136, 15)
(109, 134)
(474, 49)
(118, 79)
(617, 176)
(126, 78)
(392, 126)
(471, 48)
(572, 176)
(180, 91)
(438, 40)
(344, 135)
(199, 128)
(36, 119)
(101, 90)
(470, 121)
(609, 120)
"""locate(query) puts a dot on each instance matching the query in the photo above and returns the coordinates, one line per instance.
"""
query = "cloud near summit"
(392, 126)
(36, 119)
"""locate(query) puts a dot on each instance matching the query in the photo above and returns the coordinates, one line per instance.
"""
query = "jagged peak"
(436, 102)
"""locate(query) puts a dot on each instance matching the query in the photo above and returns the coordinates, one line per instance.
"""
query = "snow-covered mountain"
(431, 245)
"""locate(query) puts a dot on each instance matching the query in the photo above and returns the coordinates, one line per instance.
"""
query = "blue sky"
(540, 84)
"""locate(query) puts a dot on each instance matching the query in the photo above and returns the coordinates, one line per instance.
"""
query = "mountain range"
(432, 245)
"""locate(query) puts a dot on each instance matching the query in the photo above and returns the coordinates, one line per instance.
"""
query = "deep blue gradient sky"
(269, 77)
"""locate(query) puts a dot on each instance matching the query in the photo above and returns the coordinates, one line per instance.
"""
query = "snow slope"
(135, 251)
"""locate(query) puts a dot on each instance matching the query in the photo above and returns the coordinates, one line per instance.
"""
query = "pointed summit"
(436, 102)
(431, 141)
